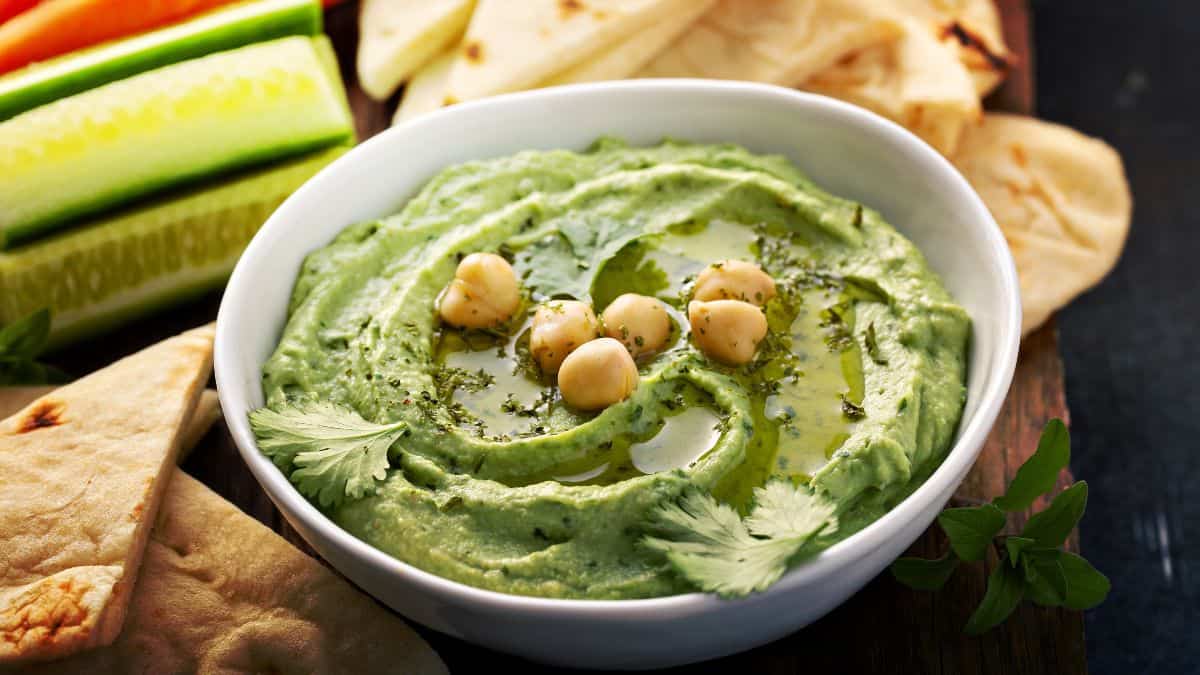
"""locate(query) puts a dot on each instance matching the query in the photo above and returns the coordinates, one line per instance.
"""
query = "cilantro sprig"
(712, 547)
(330, 452)
(1030, 565)
(21, 342)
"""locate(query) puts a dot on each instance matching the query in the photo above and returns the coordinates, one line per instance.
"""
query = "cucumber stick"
(131, 138)
(126, 264)
(223, 29)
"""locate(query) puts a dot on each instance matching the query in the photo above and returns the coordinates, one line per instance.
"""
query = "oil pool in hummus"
(856, 389)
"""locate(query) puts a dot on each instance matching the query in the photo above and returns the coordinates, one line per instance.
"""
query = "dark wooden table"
(885, 628)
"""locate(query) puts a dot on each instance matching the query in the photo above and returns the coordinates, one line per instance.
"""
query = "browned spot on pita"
(136, 512)
(45, 413)
(567, 8)
(474, 52)
(973, 42)
(1019, 157)
(449, 100)
(599, 14)
(49, 609)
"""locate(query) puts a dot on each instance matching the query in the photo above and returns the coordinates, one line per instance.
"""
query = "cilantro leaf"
(782, 510)
(1051, 527)
(971, 529)
(20, 343)
(924, 575)
(1086, 586)
(1038, 474)
(339, 455)
(1005, 589)
(566, 262)
(713, 548)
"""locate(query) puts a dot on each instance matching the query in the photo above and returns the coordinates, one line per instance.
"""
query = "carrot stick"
(56, 27)
(11, 8)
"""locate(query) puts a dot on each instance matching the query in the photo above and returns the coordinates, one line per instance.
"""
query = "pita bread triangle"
(84, 471)
(777, 41)
(510, 46)
(397, 37)
(206, 414)
(221, 593)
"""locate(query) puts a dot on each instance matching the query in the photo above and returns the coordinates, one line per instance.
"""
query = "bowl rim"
(944, 479)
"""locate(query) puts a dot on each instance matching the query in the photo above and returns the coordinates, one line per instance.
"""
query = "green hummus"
(857, 389)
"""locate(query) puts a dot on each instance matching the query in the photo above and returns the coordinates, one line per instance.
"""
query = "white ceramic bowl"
(846, 150)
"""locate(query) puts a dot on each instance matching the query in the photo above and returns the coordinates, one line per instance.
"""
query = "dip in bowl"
(868, 375)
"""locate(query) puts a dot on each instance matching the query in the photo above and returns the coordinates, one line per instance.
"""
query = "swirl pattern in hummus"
(857, 390)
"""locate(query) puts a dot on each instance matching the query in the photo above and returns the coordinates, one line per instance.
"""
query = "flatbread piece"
(84, 469)
(1061, 199)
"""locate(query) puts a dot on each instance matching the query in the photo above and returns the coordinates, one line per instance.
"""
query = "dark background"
(1129, 72)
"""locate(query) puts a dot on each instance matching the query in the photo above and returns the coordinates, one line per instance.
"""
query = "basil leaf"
(1045, 578)
(1015, 545)
(1004, 592)
(923, 574)
(24, 338)
(971, 529)
(1086, 586)
(1050, 528)
(1039, 473)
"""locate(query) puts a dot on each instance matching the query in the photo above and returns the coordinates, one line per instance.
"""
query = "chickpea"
(734, 280)
(727, 330)
(483, 293)
(559, 327)
(638, 321)
(597, 375)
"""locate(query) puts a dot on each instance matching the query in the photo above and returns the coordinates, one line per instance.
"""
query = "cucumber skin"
(223, 29)
(23, 232)
(231, 209)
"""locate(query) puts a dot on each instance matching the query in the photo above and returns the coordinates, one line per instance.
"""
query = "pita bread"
(916, 80)
(397, 37)
(426, 91)
(208, 411)
(627, 57)
(84, 471)
(1061, 199)
(221, 593)
(777, 41)
(974, 30)
(510, 46)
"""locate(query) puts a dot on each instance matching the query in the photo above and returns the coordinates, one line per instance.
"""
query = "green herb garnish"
(872, 343)
(20, 344)
(1031, 565)
(330, 452)
(450, 379)
(853, 411)
(712, 547)
(566, 262)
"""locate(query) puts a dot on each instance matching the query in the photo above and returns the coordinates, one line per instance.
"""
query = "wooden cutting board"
(885, 628)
